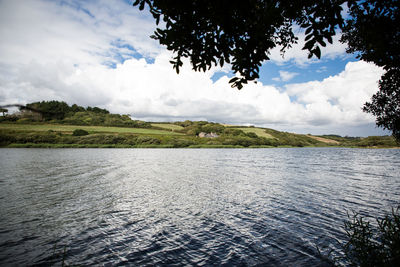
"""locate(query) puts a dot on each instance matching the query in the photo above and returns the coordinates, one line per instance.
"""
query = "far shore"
(47, 145)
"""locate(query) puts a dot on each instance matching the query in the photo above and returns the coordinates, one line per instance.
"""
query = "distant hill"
(53, 123)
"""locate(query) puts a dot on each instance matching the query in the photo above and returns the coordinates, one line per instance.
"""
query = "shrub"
(373, 245)
(147, 140)
(79, 132)
(251, 135)
(181, 142)
(368, 245)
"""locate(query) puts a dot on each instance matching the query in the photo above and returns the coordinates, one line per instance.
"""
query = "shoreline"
(55, 146)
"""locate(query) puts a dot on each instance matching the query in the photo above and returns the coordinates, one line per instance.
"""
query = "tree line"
(60, 112)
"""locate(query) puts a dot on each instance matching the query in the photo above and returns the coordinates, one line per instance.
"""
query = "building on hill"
(208, 135)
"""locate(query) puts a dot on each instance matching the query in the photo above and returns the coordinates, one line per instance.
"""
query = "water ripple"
(204, 207)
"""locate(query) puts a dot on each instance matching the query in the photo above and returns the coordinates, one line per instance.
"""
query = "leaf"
(322, 42)
(234, 79)
(317, 52)
(329, 38)
(309, 44)
(157, 17)
(141, 7)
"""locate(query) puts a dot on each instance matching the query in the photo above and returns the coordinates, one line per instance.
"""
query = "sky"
(99, 53)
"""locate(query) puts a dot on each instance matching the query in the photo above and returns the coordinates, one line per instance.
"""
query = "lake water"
(146, 207)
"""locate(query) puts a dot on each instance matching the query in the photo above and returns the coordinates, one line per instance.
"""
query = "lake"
(146, 207)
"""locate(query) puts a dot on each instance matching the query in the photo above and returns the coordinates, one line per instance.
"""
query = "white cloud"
(52, 51)
(339, 98)
(285, 76)
(83, 33)
(322, 69)
(154, 91)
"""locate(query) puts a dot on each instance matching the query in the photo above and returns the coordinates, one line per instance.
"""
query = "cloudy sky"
(99, 53)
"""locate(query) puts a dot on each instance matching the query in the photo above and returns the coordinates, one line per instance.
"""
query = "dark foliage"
(385, 104)
(370, 245)
(373, 32)
(50, 110)
(58, 110)
(79, 132)
(97, 110)
(240, 32)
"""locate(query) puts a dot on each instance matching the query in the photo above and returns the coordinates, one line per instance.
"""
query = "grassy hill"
(54, 124)
(169, 135)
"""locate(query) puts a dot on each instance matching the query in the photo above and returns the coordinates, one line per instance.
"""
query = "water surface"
(187, 206)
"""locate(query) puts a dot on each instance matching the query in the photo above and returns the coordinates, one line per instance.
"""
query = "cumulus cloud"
(82, 32)
(153, 91)
(66, 53)
(285, 76)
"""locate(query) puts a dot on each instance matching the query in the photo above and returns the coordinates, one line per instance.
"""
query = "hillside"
(55, 124)
(42, 134)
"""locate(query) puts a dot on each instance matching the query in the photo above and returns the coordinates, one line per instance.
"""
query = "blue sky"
(99, 53)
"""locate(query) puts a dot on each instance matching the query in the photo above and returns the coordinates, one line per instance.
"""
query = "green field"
(90, 129)
(258, 131)
(168, 126)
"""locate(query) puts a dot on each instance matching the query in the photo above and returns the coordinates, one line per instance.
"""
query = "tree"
(50, 110)
(373, 31)
(75, 108)
(385, 104)
(4, 111)
(242, 33)
(97, 110)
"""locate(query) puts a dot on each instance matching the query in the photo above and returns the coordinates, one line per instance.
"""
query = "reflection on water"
(186, 206)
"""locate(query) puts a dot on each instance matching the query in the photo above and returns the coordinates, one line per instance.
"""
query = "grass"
(324, 140)
(258, 131)
(168, 126)
(90, 129)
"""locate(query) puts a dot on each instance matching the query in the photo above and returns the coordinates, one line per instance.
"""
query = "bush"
(251, 135)
(79, 132)
(373, 245)
(147, 140)
(368, 245)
